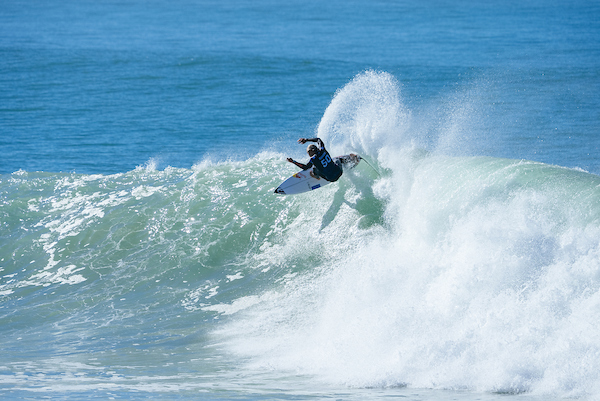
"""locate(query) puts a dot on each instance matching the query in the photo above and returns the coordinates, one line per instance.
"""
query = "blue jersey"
(324, 164)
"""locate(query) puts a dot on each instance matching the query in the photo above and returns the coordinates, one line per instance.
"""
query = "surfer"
(324, 165)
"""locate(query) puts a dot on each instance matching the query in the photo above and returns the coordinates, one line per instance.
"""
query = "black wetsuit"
(324, 165)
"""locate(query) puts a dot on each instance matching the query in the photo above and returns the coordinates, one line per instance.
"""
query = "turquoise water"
(144, 255)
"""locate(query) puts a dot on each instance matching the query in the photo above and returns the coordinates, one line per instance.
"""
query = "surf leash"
(369, 164)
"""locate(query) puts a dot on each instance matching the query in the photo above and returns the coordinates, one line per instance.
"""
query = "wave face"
(453, 272)
(473, 272)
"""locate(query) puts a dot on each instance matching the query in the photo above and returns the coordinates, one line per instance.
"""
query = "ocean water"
(143, 254)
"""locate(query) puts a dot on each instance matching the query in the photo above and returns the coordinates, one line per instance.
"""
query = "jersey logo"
(325, 159)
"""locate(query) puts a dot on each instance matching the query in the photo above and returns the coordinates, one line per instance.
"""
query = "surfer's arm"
(317, 140)
(302, 166)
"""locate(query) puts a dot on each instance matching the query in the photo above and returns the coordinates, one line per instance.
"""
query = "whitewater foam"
(366, 116)
(484, 275)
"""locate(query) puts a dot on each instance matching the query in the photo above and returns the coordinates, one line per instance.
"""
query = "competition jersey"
(324, 164)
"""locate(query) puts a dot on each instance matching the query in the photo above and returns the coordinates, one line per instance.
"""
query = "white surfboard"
(305, 180)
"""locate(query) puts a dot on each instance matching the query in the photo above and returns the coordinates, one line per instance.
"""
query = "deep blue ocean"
(144, 255)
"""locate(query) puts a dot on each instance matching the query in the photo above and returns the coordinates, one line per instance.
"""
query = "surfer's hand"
(290, 159)
(302, 140)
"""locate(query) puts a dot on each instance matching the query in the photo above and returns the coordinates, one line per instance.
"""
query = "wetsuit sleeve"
(300, 165)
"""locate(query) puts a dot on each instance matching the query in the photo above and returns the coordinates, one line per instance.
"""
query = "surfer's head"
(311, 150)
